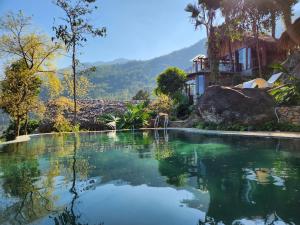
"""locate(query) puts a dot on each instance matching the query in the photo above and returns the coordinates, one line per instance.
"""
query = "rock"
(233, 105)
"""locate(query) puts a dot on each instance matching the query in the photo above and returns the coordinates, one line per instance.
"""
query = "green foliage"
(288, 94)
(136, 116)
(19, 92)
(163, 104)
(73, 32)
(142, 95)
(109, 120)
(62, 124)
(171, 82)
(9, 133)
(182, 107)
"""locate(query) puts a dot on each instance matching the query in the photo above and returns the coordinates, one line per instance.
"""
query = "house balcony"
(225, 66)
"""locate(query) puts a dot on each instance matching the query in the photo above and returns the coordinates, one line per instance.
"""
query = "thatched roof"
(290, 39)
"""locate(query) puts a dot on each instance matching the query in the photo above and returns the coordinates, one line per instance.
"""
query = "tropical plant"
(136, 116)
(171, 82)
(73, 33)
(289, 93)
(203, 13)
(111, 121)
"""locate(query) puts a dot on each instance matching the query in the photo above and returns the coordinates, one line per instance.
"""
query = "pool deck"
(276, 134)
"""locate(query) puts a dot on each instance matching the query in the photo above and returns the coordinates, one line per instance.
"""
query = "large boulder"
(224, 105)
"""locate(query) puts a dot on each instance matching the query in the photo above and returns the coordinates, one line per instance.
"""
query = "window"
(243, 58)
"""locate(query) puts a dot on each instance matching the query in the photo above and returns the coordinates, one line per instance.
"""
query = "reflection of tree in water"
(69, 216)
(222, 174)
(21, 180)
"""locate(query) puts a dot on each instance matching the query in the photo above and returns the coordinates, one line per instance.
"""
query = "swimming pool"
(150, 177)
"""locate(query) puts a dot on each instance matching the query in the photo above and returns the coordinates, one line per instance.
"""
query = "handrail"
(157, 120)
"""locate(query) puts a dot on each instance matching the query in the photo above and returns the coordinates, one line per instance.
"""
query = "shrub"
(32, 125)
(61, 124)
(163, 104)
(109, 120)
(142, 95)
(182, 107)
(136, 116)
(288, 95)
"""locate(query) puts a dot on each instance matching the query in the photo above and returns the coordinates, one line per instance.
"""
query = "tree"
(19, 93)
(74, 31)
(141, 95)
(171, 82)
(18, 41)
(204, 14)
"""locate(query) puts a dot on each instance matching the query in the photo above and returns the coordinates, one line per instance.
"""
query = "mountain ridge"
(123, 78)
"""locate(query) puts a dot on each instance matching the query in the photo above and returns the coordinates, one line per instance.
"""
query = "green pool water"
(150, 178)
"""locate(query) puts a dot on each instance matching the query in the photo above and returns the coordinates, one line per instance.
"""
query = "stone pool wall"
(289, 114)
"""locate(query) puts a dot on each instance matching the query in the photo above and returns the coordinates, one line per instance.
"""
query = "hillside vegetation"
(121, 81)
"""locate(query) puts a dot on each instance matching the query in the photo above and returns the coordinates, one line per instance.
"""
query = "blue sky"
(137, 29)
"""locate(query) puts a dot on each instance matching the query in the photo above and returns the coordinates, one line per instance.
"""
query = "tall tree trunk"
(26, 125)
(273, 21)
(231, 55)
(287, 16)
(258, 55)
(17, 127)
(74, 82)
(213, 57)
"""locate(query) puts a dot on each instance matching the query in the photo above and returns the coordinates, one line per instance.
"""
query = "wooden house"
(242, 64)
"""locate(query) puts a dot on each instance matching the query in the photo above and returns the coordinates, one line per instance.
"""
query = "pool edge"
(276, 134)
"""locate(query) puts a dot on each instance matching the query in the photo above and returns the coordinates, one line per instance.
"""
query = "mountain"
(122, 79)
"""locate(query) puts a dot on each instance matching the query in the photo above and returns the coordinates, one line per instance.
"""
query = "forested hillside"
(122, 80)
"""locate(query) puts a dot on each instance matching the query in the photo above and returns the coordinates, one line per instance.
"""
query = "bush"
(61, 124)
(32, 125)
(182, 107)
(110, 121)
(288, 95)
(163, 104)
(136, 116)
(142, 95)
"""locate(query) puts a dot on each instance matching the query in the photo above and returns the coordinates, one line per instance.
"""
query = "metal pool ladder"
(157, 120)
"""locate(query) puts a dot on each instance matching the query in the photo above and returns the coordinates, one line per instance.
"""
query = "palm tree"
(203, 14)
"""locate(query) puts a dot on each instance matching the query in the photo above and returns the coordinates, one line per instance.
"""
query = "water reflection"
(149, 178)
